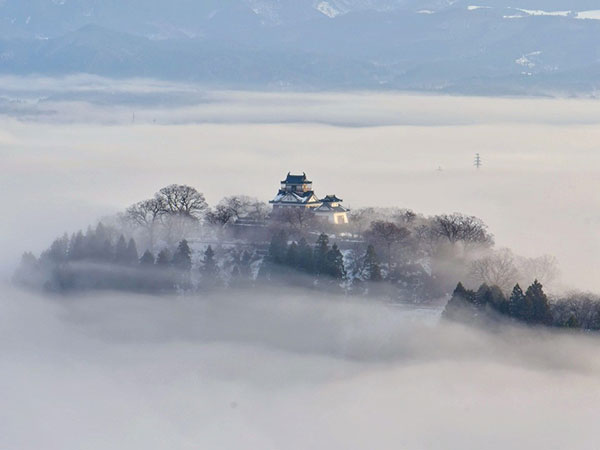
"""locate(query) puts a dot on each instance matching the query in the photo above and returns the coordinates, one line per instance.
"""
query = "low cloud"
(82, 156)
(299, 370)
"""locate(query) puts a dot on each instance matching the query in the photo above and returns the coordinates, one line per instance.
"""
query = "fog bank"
(76, 149)
(293, 371)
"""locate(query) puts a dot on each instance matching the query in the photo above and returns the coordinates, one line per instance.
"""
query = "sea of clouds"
(291, 369)
(294, 370)
(78, 148)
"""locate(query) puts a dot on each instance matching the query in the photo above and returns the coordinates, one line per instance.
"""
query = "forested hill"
(174, 242)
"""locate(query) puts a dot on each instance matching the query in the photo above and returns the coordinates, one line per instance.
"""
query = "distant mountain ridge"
(488, 46)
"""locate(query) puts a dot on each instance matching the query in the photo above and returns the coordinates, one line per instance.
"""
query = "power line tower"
(478, 162)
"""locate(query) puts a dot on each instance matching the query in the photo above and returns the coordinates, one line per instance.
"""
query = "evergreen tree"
(305, 256)
(540, 310)
(77, 247)
(462, 293)
(27, 274)
(164, 258)
(164, 276)
(492, 297)
(335, 263)
(209, 266)
(147, 259)
(121, 254)
(498, 300)
(278, 248)
(320, 254)
(572, 322)
(462, 305)
(371, 271)
(182, 264)
(517, 304)
(482, 296)
(107, 252)
(101, 233)
(182, 259)
(210, 270)
(271, 264)
(131, 255)
(58, 252)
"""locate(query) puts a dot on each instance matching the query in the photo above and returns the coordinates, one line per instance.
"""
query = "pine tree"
(210, 270)
(165, 279)
(278, 248)
(131, 256)
(121, 255)
(271, 264)
(58, 252)
(305, 257)
(462, 305)
(520, 306)
(497, 300)
(98, 247)
(462, 293)
(77, 247)
(483, 295)
(107, 253)
(320, 254)
(371, 271)
(492, 297)
(164, 258)
(182, 259)
(540, 310)
(147, 259)
(209, 266)
(335, 263)
(572, 322)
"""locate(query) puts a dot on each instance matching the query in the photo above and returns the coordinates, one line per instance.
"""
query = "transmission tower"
(478, 162)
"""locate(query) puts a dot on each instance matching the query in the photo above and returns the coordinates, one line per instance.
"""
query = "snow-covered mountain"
(499, 46)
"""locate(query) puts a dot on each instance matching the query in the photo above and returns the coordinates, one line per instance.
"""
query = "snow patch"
(425, 11)
(327, 9)
(592, 15)
(539, 12)
(526, 62)
(583, 15)
(475, 8)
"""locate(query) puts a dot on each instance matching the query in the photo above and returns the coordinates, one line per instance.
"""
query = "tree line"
(531, 307)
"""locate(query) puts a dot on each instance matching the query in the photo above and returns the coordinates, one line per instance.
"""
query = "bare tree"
(404, 216)
(543, 268)
(183, 207)
(386, 235)
(360, 219)
(296, 219)
(235, 207)
(146, 215)
(182, 200)
(462, 228)
(496, 269)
